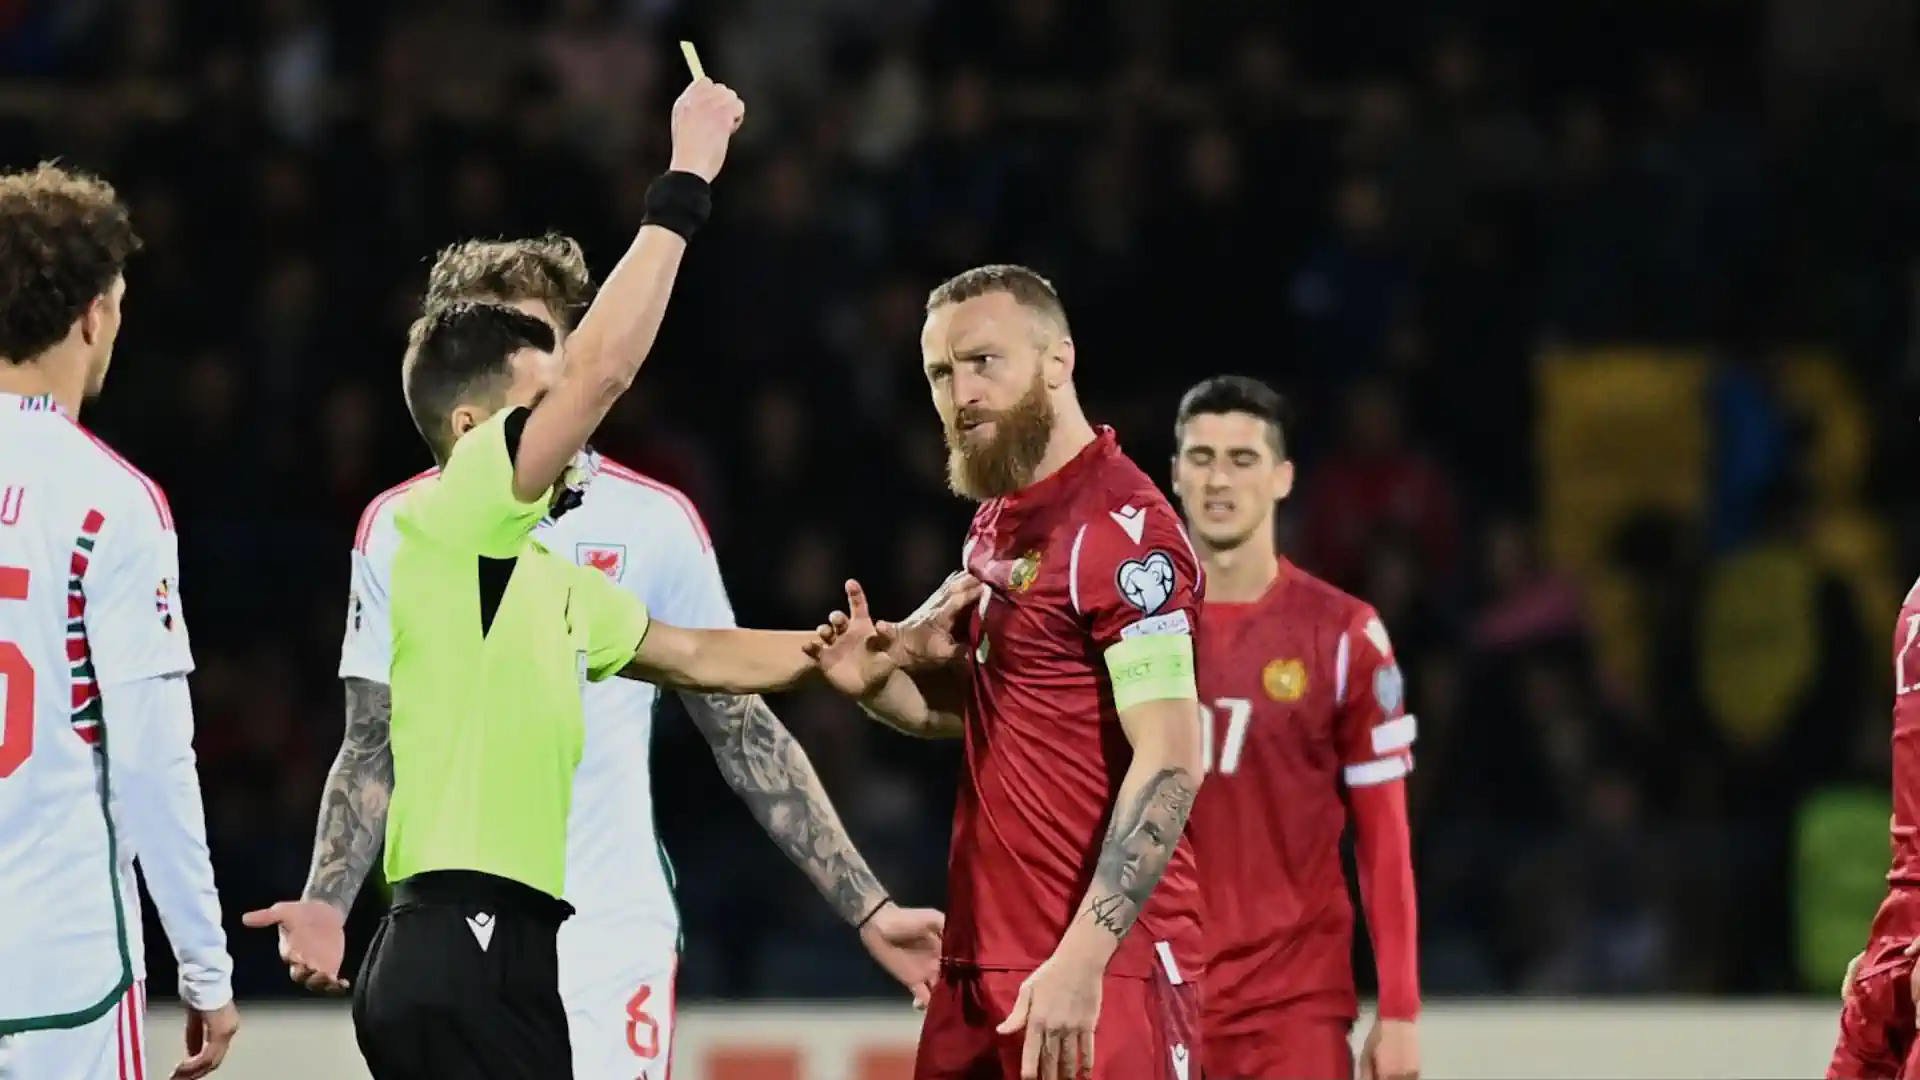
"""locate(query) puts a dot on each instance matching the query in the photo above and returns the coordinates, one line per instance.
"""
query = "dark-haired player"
(1073, 898)
(1306, 735)
(619, 954)
(92, 641)
(493, 638)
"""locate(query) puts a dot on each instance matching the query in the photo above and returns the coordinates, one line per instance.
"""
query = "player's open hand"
(906, 941)
(1392, 1051)
(313, 941)
(853, 657)
(1058, 1006)
(929, 636)
(705, 116)
(209, 1034)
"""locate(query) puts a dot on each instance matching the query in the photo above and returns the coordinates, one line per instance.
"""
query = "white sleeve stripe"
(1395, 734)
(1073, 570)
(1340, 659)
(1370, 773)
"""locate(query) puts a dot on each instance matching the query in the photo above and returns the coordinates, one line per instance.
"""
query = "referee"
(493, 637)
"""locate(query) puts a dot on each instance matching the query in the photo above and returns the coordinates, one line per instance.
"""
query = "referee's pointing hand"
(313, 941)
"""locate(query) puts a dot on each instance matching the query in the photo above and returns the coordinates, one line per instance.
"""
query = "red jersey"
(1072, 563)
(1304, 701)
(1899, 914)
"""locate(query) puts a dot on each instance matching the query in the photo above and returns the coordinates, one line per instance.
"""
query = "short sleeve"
(366, 649)
(136, 623)
(1133, 573)
(1374, 731)
(608, 619)
(471, 505)
(690, 591)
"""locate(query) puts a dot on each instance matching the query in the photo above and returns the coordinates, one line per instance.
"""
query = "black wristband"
(868, 917)
(679, 202)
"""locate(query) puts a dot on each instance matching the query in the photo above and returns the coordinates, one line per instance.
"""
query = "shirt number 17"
(1239, 714)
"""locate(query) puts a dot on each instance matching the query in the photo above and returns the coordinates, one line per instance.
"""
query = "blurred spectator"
(1390, 217)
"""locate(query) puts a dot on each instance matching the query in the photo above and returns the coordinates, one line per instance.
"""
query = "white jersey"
(89, 598)
(650, 539)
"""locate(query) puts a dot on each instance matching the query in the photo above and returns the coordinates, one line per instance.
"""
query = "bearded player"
(1073, 900)
(1877, 1038)
(1305, 735)
(619, 954)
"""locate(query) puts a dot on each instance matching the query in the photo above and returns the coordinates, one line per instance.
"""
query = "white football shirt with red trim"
(89, 596)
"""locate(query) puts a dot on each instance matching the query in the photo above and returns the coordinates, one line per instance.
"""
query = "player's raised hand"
(705, 116)
(313, 941)
(1391, 1052)
(209, 1034)
(1058, 1006)
(928, 637)
(906, 942)
(853, 658)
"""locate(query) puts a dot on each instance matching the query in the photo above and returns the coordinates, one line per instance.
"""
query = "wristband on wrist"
(868, 917)
(679, 202)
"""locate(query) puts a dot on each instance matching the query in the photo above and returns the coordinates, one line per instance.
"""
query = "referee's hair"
(1236, 394)
(464, 355)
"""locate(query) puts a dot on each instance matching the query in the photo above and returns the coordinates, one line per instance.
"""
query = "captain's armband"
(1152, 667)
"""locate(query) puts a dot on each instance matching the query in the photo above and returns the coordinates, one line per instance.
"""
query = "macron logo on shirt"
(1132, 521)
(482, 927)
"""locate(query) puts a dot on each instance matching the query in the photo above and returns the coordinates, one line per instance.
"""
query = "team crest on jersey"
(609, 559)
(1025, 571)
(1285, 680)
(1147, 582)
(163, 602)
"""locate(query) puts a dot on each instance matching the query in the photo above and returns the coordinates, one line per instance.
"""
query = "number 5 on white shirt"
(1239, 714)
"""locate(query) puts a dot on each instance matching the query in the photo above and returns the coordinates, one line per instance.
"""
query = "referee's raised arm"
(617, 332)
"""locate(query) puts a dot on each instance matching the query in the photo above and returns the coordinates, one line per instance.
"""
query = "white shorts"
(111, 1048)
(621, 1026)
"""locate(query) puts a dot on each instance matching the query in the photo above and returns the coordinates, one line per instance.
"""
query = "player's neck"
(46, 377)
(1239, 575)
(1071, 434)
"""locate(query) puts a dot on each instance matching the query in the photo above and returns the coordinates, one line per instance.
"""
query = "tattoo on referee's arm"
(770, 771)
(1140, 841)
(353, 805)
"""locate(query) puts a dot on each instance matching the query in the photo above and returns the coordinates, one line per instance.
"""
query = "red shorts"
(1877, 1026)
(1291, 1048)
(1148, 1030)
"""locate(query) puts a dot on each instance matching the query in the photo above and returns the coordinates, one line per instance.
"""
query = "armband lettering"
(1153, 667)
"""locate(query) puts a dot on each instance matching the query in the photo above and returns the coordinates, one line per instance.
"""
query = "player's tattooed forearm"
(353, 805)
(1140, 840)
(770, 771)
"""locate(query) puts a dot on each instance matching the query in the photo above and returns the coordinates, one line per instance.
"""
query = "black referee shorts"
(462, 982)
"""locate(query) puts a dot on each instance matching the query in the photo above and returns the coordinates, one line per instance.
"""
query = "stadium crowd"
(1389, 216)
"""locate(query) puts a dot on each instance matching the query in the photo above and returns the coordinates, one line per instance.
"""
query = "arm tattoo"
(771, 773)
(353, 806)
(1140, 842)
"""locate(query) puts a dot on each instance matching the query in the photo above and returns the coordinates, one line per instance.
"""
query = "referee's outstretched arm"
(721, 661)
(623, 639)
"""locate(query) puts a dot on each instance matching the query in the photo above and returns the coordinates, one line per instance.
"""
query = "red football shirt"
(1899, 914)
(1069, 563)
(1303, 700)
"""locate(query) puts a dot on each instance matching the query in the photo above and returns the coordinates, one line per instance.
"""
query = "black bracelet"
(679, 202)
(868, 917)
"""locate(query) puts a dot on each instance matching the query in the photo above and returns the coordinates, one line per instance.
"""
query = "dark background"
(1599, 319)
